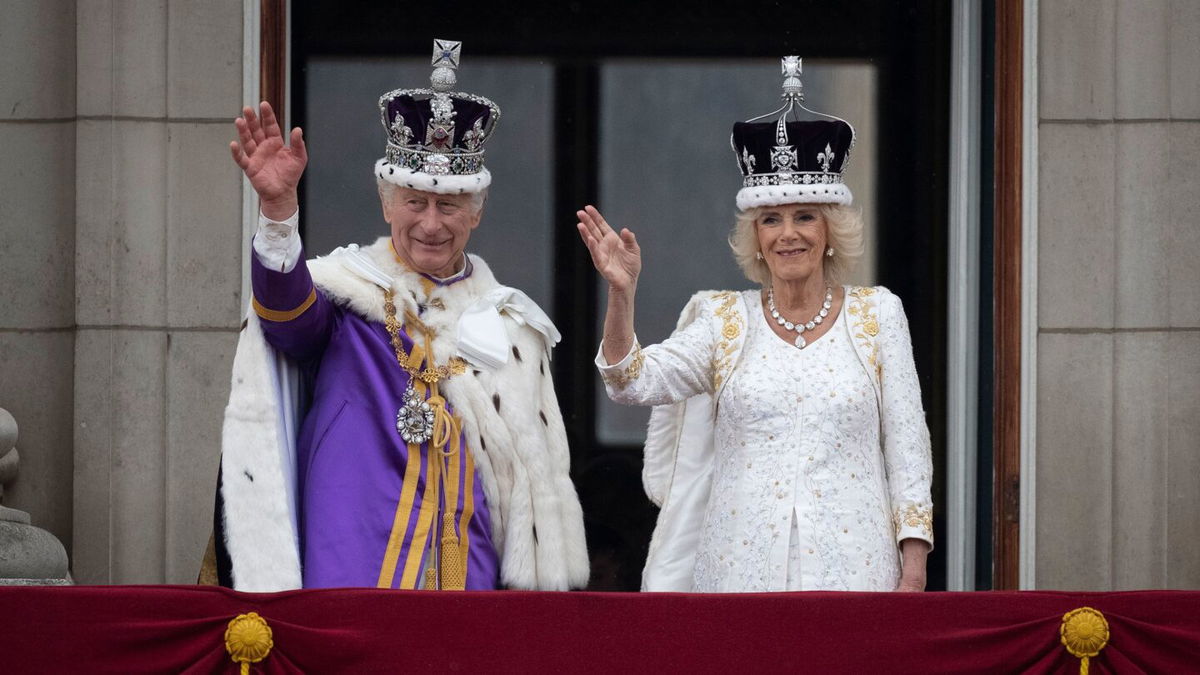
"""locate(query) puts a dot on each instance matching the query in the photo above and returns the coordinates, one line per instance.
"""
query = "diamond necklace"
(800, 342)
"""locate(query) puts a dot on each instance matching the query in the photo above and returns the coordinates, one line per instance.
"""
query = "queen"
(788, 448)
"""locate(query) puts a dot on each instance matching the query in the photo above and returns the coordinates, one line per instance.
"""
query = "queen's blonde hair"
(844, 234)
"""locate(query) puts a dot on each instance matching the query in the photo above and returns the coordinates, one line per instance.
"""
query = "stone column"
(28, 555)
(158, 270)
(1118, 412)
(37, 250)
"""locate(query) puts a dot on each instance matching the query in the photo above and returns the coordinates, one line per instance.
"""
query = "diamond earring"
(758, 255)
(829, 251)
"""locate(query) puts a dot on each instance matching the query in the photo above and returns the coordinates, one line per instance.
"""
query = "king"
(392, 421)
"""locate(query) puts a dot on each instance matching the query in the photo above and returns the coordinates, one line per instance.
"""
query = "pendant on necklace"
(414, 419)
(801, 343)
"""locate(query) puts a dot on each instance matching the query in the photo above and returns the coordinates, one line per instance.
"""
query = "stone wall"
(37, 251)
(1118, 414)
(121, 271)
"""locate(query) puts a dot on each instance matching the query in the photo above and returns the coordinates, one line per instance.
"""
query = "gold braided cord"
(1084, 632)
(456, 366)
(446, 566)
(248, 640)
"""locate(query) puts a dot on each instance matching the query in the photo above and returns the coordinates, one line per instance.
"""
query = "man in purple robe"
(392, 421)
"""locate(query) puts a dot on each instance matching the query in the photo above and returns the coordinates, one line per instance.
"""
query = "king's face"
(430, 231)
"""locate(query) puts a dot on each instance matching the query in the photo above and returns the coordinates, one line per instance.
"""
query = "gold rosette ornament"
(1084, 633)
(248, 640)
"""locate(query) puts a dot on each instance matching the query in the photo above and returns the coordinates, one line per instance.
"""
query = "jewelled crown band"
(792, 162)
(436, 136)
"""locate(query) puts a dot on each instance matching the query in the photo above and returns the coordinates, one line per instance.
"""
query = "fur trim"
(448, 184)
(776, 195)
(260, 534)
(514, 415)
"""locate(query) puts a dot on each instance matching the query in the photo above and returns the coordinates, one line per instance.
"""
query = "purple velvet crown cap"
(417, 115)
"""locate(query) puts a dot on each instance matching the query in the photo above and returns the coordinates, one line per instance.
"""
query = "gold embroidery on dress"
(621, 379)
(914, 516)
(730, 330)
(866, 324)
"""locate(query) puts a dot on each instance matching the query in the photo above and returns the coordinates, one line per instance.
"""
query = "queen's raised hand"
(273, 168)
(616, 256)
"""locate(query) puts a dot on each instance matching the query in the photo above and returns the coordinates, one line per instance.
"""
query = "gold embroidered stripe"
(468, 503)
(412, 472)
(279, 316)
(416, 549)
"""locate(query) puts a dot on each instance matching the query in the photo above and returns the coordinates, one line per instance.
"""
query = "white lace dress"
(800, 496)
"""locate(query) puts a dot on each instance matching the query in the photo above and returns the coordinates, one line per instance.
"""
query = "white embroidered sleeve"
(906, 445)
(675, 369)
(277, 242)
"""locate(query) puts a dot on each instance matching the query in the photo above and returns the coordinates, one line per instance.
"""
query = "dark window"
(629, 107)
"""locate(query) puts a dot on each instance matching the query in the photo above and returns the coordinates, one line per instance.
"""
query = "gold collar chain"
(433, 375)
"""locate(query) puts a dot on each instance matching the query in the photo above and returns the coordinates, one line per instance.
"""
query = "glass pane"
(667, 173)
(345, 138)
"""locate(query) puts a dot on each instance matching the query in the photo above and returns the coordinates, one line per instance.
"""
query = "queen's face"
(430, 231)
(792, 240)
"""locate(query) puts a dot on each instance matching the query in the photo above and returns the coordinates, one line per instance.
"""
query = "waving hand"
(617, 257)
(274, 169)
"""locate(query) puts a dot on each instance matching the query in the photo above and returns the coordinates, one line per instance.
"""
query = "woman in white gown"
(788, 449)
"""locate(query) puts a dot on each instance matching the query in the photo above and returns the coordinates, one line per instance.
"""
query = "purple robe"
(361, 523)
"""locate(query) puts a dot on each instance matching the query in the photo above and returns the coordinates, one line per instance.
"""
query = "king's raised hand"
(616, 256)
(273, 167)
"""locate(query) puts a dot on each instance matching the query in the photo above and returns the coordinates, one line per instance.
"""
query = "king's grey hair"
(387, 192)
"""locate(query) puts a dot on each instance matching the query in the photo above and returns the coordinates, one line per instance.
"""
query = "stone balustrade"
(29, 556)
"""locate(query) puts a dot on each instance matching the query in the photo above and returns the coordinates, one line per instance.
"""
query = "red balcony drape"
(181, 629)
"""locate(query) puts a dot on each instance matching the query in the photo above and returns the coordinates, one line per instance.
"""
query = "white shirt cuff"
(277, 242)
(603, 365)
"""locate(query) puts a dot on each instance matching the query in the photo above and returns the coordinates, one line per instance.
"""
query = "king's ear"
(387, 194)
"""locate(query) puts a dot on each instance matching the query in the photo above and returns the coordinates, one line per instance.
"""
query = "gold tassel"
(454, 572)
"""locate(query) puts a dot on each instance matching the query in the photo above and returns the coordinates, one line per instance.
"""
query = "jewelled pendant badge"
(414, 419)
